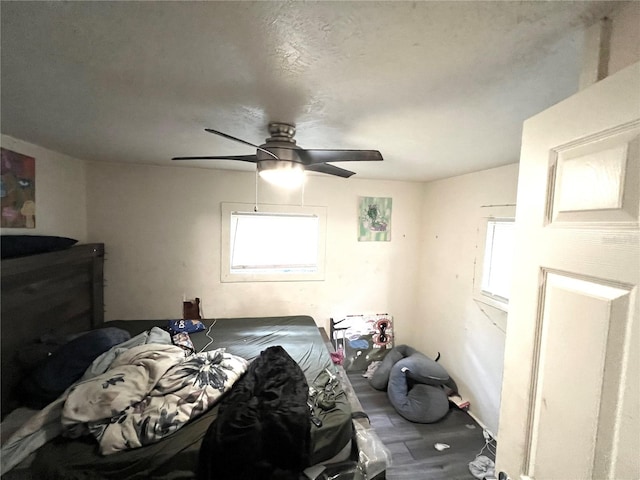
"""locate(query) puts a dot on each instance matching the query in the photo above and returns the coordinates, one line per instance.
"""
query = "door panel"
(596, 179)
(565, 351)
(570, 406)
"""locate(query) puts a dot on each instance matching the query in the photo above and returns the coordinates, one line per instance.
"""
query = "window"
(273, 242)
(278, 243)
(494, 258)
(498, 253)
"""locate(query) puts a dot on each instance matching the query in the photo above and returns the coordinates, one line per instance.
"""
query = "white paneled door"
(570, 398)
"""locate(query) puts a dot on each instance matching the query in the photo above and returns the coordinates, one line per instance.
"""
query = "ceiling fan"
(280, 153)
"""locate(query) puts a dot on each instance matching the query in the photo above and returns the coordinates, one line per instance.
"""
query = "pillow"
(419, 403)
(188, 326)
(422, 369)
(380, 377)
(67, 365)
(22, 245)
(31, 355)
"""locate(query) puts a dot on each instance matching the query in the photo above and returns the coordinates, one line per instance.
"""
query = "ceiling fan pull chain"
(255, 207)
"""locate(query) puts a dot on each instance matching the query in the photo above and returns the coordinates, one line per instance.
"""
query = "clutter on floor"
(363, 339)
(415, 384)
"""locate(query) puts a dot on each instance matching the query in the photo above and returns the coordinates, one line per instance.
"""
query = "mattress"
(175, 457)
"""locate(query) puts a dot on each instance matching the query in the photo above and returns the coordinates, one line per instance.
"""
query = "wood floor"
(412, 444)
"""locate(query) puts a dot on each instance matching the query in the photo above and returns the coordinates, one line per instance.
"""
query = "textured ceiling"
(440, 88)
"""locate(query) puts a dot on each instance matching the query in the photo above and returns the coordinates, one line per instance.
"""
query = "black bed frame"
(59, 292)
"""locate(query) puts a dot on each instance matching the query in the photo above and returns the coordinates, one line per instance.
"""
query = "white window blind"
(280, 243)
(498, 258)
(273, 242)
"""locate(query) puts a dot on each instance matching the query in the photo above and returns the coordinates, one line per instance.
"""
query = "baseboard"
(484, 427)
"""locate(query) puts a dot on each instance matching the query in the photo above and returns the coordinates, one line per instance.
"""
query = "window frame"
(503, 213)
(227, 275)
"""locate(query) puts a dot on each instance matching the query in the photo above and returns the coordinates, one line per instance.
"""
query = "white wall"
(625, 37)
(60, 192)
(161, 228)
(449, 320)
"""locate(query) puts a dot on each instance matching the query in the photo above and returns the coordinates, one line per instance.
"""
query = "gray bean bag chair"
(414, 384)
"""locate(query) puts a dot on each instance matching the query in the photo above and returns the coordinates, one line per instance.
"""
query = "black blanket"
(262, 431)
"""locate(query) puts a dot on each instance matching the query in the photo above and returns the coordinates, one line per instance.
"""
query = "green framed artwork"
(374, 219)
(17, 189)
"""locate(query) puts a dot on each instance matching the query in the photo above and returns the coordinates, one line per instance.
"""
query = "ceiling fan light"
(281, 173)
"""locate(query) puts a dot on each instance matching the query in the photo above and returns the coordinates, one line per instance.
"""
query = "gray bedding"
(175, 457)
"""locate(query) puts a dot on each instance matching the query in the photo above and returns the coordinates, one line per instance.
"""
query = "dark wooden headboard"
(59, 292)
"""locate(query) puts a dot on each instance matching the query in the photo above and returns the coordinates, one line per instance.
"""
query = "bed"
(61, 293)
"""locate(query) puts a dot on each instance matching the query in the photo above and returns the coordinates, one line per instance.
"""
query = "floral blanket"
(149, 392)
(45, 425)
(137, 393)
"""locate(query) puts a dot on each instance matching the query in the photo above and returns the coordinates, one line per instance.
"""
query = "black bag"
(262, 431)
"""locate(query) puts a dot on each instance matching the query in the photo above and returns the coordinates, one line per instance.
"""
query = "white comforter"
(148, 393)
(133, 395)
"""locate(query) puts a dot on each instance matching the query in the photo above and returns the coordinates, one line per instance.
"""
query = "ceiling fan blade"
(329, 169)
(243, 158)
(225, 135)
(322, 156)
